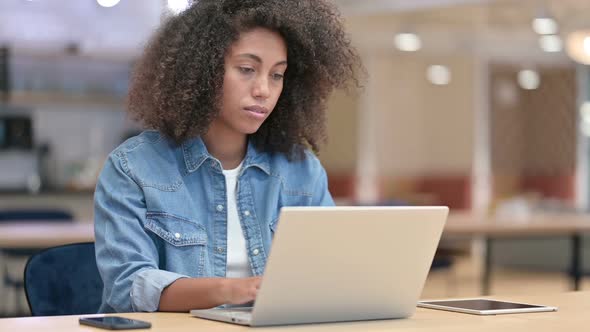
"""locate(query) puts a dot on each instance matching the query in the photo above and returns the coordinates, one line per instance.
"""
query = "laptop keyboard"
(242, 313)
(245, 309)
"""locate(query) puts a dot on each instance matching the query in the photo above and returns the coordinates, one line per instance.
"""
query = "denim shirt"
(160, 214)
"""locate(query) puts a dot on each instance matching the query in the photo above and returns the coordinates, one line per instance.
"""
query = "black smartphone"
(115, 323)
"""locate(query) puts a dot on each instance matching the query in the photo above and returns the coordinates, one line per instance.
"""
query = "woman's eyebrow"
(258, 59)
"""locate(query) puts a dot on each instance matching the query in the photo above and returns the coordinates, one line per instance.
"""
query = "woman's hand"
(240, 290)
(186, 294)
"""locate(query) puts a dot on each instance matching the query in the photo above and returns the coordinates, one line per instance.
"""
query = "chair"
(29, 215)
(35, 214)
(441, 261)
(63, 280)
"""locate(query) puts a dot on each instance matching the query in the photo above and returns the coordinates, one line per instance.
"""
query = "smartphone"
(114, 323)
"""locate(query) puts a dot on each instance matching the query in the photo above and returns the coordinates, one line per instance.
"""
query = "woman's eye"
(277, 77)
(246, 70)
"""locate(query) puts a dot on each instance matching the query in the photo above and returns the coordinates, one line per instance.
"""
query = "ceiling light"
(585, 128)
(551, 43)
(438, 75)
(587, 45)
(585, 112)
(177, 6)
(578, 46)
(528, 79)
(108, 3)
(407, 42)
(545, 26)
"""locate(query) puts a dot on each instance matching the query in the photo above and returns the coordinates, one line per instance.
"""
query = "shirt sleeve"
(148, 286)
(126, 256)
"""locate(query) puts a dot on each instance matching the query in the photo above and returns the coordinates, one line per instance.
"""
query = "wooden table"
(44, 234)
(571, 316)
(489, 229)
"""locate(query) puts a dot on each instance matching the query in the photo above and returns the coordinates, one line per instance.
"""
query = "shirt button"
(177, 235)
(246, 213)
(219, 207)
(220, 250)
(255, 252)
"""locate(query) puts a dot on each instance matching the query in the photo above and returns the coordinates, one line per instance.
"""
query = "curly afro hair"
(175, 87)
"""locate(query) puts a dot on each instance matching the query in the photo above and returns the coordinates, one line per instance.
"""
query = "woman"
(233, 93)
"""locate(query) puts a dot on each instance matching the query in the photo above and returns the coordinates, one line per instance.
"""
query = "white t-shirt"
(238, 265)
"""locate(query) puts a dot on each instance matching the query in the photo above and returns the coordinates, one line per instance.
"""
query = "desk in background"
(41, 235)
(559, 224)
(44, 235)
(571, 316)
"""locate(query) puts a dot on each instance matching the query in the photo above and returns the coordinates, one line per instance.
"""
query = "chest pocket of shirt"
(185, 242)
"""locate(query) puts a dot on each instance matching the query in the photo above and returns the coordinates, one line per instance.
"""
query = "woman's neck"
(227, 146)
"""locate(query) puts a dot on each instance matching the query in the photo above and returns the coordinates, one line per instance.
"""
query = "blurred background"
(481, 105)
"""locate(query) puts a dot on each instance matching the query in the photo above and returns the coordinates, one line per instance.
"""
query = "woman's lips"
(257, 109)
(257, 112)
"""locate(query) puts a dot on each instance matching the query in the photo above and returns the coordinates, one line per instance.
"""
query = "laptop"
(335, 264)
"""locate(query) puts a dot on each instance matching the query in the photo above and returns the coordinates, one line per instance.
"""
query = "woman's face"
(254, 69)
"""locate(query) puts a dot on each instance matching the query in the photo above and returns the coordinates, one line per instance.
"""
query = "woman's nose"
(261, 88)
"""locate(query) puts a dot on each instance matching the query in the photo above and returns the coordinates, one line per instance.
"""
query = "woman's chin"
(249, 130)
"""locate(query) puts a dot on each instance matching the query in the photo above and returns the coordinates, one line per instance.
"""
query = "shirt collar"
(195, 154)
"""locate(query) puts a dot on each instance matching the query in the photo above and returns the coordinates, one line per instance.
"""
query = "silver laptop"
(333, 264)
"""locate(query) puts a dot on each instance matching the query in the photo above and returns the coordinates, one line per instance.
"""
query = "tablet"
(484, 306)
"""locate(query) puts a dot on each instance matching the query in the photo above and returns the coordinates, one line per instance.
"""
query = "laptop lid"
(331, 264)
